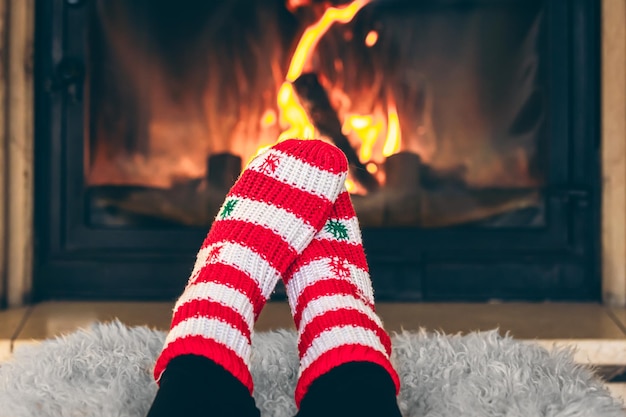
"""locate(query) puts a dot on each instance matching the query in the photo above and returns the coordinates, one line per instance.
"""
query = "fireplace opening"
(439, 108)
(473, 167)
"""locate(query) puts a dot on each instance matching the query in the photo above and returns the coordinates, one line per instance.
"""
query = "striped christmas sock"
(344, 351)
(269, 217)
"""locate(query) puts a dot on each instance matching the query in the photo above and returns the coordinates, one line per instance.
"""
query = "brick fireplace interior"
(472, 128)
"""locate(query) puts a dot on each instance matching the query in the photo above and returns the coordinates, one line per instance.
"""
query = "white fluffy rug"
(106, 371)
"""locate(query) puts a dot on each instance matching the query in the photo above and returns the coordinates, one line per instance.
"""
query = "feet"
(196, 386)
(332, 301)
(280, 201)
(284, 217)
(359, 389)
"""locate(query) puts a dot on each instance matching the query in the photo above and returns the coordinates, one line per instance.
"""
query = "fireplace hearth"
(471, 127)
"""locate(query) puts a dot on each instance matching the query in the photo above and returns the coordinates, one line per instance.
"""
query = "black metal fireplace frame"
(557, 262)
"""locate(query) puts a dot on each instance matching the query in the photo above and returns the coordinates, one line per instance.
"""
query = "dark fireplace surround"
(556, 259)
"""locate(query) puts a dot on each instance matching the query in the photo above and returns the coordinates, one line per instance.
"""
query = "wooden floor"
(533, 321)
(596, 332)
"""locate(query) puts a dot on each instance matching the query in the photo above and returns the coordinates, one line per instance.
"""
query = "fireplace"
(471, 127)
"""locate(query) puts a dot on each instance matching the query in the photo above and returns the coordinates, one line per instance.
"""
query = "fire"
(293, 117)
(350, 186)
(316, 31)
(268, 119)
(394, 135)
(367, 129)
(293, 5)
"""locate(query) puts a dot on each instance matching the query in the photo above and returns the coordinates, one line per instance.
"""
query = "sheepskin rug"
(106, 371)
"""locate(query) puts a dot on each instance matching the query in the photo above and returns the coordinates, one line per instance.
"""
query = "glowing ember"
(293, 5)
(372, 168)
(350, 186)
(371, 38)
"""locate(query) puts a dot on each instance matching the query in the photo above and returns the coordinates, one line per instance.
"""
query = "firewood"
(223, 169)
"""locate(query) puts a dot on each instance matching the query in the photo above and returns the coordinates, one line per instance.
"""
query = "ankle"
(194, 385)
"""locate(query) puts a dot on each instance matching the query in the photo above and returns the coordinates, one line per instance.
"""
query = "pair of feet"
(287, 217)
(196, 386)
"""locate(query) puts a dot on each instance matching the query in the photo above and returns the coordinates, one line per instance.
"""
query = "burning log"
(190, 203)
(193, 202)
(370, 208)
(403, 189)
(223, 169)
(403, 171)
(315, 100)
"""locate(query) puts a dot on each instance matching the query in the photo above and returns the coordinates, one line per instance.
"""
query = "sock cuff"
(210, 349)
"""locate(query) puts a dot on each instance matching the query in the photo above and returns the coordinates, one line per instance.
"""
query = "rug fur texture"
(106, 370)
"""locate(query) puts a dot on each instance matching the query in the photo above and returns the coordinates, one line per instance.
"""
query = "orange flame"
(268, 119)
(316, 31)
(293, 116)
(350, 186)
(394, 134)
(366, 129)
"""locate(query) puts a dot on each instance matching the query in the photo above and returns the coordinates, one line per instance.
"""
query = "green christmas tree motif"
(228, 208)
(337, 229)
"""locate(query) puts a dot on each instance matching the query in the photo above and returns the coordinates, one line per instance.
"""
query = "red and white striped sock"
(269, 217)
(332, 301)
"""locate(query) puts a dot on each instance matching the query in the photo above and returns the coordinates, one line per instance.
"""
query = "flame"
(293, 117)
(394, 135)
(316, 31)
(293, 5)
(350, 186)
(371, 38)
(366, 129)
(268, 119)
